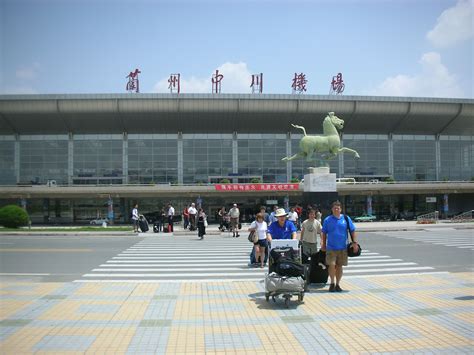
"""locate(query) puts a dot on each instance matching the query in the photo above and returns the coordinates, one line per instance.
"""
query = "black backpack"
(289, 268)
(278, 254)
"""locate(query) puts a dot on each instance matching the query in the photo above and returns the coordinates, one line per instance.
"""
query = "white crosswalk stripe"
(156, 259)
(448, 237)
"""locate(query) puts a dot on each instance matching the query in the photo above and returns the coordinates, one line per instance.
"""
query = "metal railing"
(464, 217)
(428, 218)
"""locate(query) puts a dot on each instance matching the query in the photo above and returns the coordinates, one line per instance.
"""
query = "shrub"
(295, 180)
(225, 181)
(12, 216)
(256, 181)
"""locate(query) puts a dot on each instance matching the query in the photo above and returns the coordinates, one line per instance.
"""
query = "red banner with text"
(256, 187)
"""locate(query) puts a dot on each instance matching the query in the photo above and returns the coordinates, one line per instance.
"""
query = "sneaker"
(332, 288)
(238, 235)
(338, 288)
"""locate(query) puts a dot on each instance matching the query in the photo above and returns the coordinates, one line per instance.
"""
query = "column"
(17, 158)
(390, 156)
(70, 158)
(438, 157)
(235, 156)
(125, 158)
(180, 158)
(341, 159)
(289, 165)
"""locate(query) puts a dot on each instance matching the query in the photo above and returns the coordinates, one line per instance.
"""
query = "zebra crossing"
(449, 237)
(216, 258)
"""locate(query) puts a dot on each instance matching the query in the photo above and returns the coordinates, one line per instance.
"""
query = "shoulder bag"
(350, 251)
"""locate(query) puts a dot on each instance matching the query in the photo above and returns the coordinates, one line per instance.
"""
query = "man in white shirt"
(293, 217)
(170, 217)
(192, 216)
(135, 218)
(234, 220)
(310, 233)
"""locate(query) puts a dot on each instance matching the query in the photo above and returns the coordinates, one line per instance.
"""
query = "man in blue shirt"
(282, 228)
(334, 240)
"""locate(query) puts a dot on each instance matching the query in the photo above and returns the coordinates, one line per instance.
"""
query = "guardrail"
(464, 217)
(429, 218)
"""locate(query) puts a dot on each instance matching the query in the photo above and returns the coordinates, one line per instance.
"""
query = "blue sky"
(382, 47)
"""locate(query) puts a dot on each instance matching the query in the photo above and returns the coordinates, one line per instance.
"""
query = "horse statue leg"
(348, 150)
(296, 156)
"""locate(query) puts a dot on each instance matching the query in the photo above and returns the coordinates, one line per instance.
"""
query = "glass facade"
(152, 159)
(43, 158)
(203, 158)
(457, 158)
(206, 155)
(414, 158)
(7, 162)
(373, 151)
(260, 155)
(97, 160)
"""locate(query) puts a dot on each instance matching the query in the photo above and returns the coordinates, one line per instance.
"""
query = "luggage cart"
(287, 287)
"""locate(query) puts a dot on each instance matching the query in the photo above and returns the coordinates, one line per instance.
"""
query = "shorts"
(310, 248)
(262, 242)
(135, 222)
(234, 222)
(336, 257)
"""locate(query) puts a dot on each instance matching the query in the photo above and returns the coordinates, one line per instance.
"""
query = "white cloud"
(27, 72)
(433, 81)
(454, 25)
(237, 79)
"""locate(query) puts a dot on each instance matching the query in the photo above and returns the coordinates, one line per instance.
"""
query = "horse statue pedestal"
(320, 189)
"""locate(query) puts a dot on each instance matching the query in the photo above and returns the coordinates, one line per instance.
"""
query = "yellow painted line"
(28, 250)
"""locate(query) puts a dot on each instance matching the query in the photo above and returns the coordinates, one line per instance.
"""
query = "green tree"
(12, 216)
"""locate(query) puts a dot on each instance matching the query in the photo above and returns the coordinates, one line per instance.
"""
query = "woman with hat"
(282, 228)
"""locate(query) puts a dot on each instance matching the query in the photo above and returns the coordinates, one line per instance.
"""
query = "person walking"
(222, 212)
(170, 217)
(185, 217)
(318, 215)
(234, 220)
(334, 242)
(293, 217)
(192, 216)
(260, 227)
(201, 223)
(272, 217)
(310, 229)
(135, 218)
(282, 228)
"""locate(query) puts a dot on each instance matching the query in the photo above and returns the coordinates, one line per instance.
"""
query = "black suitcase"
(318, 270)
(143, 224)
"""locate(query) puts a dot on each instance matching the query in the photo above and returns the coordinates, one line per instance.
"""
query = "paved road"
(165, 258)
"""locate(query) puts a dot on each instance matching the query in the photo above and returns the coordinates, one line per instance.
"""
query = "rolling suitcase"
(318, 270)
(156, 228)
(143, 224)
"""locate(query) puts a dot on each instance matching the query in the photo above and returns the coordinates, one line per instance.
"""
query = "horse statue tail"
(300, 127)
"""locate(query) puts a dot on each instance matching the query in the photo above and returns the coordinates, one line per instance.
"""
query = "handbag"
(253, 237)
(205, 222)
(350, 251)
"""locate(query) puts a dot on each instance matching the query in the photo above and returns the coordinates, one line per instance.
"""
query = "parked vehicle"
(365, 218)
(99, 221)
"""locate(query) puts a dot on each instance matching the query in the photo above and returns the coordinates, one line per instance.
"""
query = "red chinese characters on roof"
(133, 83)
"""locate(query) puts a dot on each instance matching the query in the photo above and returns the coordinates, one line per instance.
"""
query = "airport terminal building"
(71, 158)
